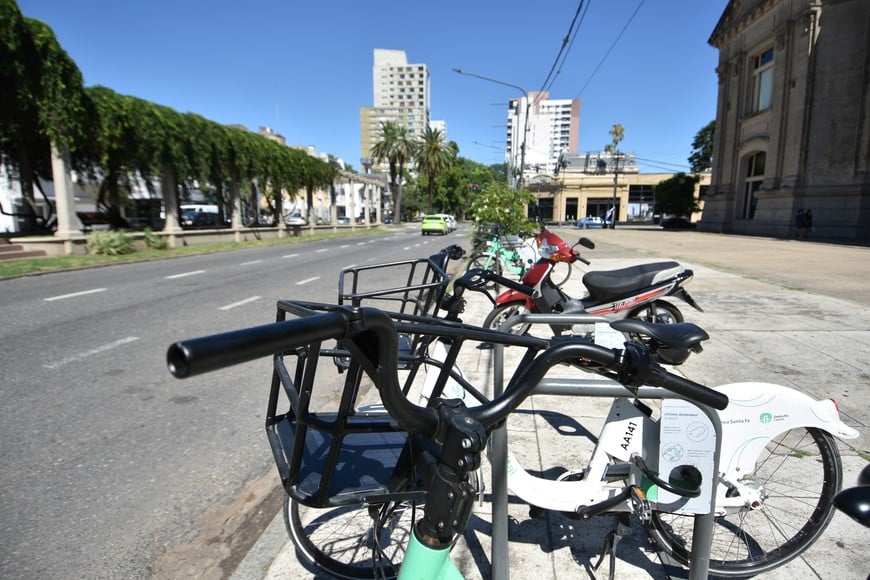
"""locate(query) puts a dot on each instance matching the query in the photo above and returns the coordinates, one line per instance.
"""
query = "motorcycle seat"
(608, 285)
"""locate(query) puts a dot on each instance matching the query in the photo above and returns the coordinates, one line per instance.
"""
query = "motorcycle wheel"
(657, 311)
(504, 311)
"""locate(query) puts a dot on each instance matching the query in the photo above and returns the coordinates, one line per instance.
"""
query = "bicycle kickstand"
(611, 540)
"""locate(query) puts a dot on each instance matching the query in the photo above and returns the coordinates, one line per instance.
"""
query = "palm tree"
(396, 146)
(433, 157)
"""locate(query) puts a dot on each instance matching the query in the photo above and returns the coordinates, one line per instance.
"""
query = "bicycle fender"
(758, 412)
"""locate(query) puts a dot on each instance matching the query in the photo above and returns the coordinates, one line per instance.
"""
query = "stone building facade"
(792, 119)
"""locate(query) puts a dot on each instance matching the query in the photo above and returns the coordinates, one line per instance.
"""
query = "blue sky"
(305, 68)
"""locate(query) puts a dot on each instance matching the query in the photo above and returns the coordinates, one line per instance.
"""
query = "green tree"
(701, 158)
(41, 102)
(676, 195)
(500, 204)
(395, 146)
(433, 157)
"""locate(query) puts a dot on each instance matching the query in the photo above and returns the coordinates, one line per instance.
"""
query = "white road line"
(360, 243)
(251, 262)
(82, 355)
(239, 303)
(289, 255)
(322, 250)
(74, 294)
(307, 280)
(183, 274)
(343, 246)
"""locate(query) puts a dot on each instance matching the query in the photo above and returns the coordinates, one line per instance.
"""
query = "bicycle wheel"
(486, 262)
(800, 472)
(561, 273)
(358, 541)
(504, 311)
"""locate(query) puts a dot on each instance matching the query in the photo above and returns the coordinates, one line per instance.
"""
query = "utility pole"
(525, 119)
(617, 133)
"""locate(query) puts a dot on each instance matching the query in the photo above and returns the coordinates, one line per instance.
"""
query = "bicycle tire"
(561, 273)
(340, 540)
(754, 541)
(486, 261)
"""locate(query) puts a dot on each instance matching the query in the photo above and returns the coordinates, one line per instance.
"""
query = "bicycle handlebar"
(209, 353)
(370, 336)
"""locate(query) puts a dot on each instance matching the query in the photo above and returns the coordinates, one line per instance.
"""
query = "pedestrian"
(808, 222)
(800, 223)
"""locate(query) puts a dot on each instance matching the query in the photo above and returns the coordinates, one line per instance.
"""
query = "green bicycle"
(500, 253)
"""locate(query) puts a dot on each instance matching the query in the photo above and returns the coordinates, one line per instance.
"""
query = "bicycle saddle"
(611, 284)
(671, 343)
(678, 335)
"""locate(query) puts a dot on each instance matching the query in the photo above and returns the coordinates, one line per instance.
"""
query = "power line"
(677, 165)
(567, 43)
(609, 50)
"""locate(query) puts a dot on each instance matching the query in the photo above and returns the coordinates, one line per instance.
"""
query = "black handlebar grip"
(689, 389)
(200, 355)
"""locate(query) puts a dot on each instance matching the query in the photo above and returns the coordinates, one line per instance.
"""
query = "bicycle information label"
(687, 439)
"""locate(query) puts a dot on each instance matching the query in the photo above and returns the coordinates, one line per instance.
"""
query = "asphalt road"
(111, 468)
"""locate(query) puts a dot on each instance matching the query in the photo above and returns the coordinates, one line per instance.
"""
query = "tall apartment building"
(553, 128)
(401, 94)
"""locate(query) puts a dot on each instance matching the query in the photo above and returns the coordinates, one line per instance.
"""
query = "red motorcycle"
(633, 292)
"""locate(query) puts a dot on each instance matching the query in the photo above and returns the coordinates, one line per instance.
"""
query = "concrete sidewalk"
(781, 311)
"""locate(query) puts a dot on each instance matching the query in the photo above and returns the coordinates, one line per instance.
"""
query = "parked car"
(591, 222)
(388, 220)
(296, 219)
(434, 224)
(677, 223)
(343, 220)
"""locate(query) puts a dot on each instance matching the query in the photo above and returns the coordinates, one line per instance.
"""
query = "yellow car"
(434, 224)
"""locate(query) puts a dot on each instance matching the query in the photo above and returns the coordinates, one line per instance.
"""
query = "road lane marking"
(307, 280)
(239, 303)
(251, 262)
(75, 294)
(322, 250)
(98, 350)
(184, 274)
(343, 246)
(289, 255)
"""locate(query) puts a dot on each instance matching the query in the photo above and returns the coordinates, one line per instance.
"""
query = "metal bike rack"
(702, 534)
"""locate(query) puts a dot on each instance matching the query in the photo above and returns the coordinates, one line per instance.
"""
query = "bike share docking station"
(688, 441)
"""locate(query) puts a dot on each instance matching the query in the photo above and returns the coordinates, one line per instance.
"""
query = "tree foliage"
(676, 195)
(120, 140)
(500, 204)
(701, 158)
(432, 157)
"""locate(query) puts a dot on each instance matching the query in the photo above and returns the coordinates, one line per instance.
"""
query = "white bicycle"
(766, 466)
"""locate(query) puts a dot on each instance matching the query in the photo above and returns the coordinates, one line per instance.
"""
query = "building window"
(762, 80)
(754, 178)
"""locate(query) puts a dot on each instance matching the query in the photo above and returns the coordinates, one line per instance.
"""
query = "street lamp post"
(616, 157)
(525, 119)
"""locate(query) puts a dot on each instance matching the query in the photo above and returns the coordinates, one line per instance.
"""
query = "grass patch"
(25, 266)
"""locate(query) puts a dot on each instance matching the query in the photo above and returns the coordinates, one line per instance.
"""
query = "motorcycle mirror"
(586, 243)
